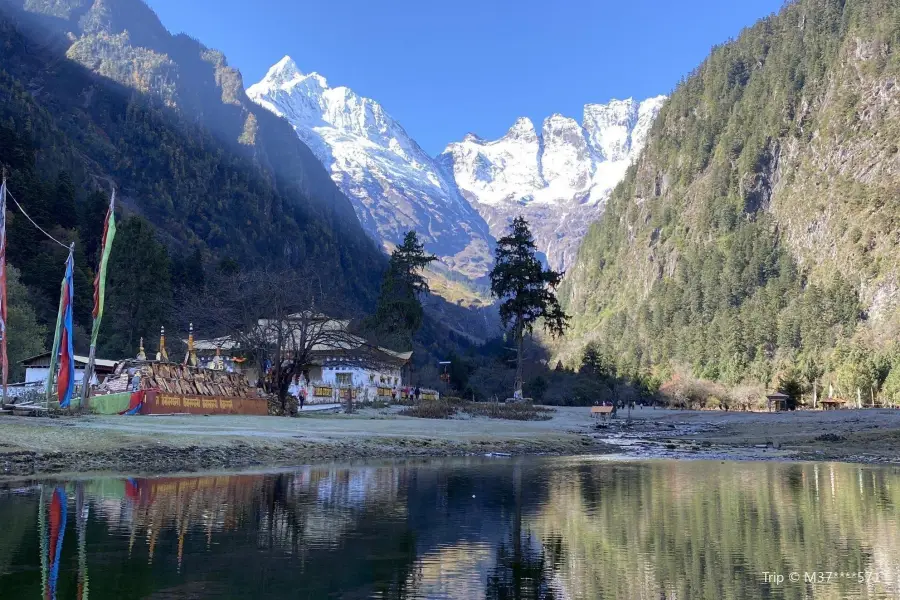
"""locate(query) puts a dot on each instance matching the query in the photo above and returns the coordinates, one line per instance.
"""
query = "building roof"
(43, 360)
(333, 332)
(210, 345)
(777, 396)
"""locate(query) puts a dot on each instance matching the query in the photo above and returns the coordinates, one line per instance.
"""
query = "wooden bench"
(602, 411)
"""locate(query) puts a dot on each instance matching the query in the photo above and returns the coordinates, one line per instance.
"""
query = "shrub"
(748, 397)
(447, 408)
(432, 409)
(691, 393)
(515, 411)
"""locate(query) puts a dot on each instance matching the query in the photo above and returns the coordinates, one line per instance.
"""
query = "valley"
(728, 238)
(287, 330)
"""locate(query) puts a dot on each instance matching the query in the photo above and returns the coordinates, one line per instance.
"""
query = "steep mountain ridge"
(758, 229)
(394, 184)
(558, 179)
(169, 122)
(124, 41)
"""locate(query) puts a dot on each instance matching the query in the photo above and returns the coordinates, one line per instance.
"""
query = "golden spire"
(141, 354)
(191, 358)
(162, 355)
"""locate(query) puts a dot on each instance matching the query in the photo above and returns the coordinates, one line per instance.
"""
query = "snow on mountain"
(394, 185)
(559, 180)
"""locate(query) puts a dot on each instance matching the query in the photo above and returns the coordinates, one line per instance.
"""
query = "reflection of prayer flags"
(81, 517)
(65, 385)
(109, 233)
(57, 533)
(4, 359)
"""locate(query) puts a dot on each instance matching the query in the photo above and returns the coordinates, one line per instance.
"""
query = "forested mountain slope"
(219, 185)
(758, 232)
(168, 121)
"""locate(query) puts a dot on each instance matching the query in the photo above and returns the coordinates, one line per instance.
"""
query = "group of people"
(416, 393)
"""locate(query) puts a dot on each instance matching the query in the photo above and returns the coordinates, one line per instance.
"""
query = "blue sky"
(444, 68)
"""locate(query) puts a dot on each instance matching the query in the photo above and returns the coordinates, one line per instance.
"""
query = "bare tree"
(282, 318)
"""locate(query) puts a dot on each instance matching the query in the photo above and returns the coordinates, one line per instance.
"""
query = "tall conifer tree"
(525, 289)
(399, 313)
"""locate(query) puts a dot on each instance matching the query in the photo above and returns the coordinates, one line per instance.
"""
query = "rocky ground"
(190, 443)
(871, 436)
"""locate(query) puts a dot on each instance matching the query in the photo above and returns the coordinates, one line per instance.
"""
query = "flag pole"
(4, 357)
(54, 352)
(109, 233)
(86, 380)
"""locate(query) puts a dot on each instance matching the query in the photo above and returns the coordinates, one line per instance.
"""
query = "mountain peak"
(522, 128)
(283, 71)
(393, 184)
(652, 104)
(613, 111)
(285, 75)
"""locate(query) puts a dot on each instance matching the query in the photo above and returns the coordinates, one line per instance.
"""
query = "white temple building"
(341, 362)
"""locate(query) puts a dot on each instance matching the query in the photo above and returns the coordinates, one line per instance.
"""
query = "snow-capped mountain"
(394, 185)
(559, 179)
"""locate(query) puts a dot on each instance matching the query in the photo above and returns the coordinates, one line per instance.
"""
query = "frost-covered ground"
(161, 444)
(186, 443)
(844, 435)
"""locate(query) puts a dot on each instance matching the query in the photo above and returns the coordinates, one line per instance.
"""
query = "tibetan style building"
(341, 362)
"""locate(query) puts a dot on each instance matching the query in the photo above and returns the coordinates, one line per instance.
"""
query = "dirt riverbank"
(30, 446)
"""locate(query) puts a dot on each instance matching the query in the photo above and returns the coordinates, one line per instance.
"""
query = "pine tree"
(139, 288)
(64, 212)
(90, 224)
(591, 364)
(399, 313)
(525, 289)
(26, 335)
(188, 273)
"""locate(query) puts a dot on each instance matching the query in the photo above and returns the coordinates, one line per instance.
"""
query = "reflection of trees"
(709, 530)
(18, 522)
(522, 571)
(315, 531)
(510, 530)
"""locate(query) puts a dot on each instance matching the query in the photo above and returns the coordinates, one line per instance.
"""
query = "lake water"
(477, 528)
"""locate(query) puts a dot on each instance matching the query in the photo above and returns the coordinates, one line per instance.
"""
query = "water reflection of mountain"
(710, 530)
(471, 529)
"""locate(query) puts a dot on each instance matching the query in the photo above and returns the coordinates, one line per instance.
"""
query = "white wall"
(39, 375)
(360, 376)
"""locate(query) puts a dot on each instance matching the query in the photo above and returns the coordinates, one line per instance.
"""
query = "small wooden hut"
(832, 404)
(777, 401)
